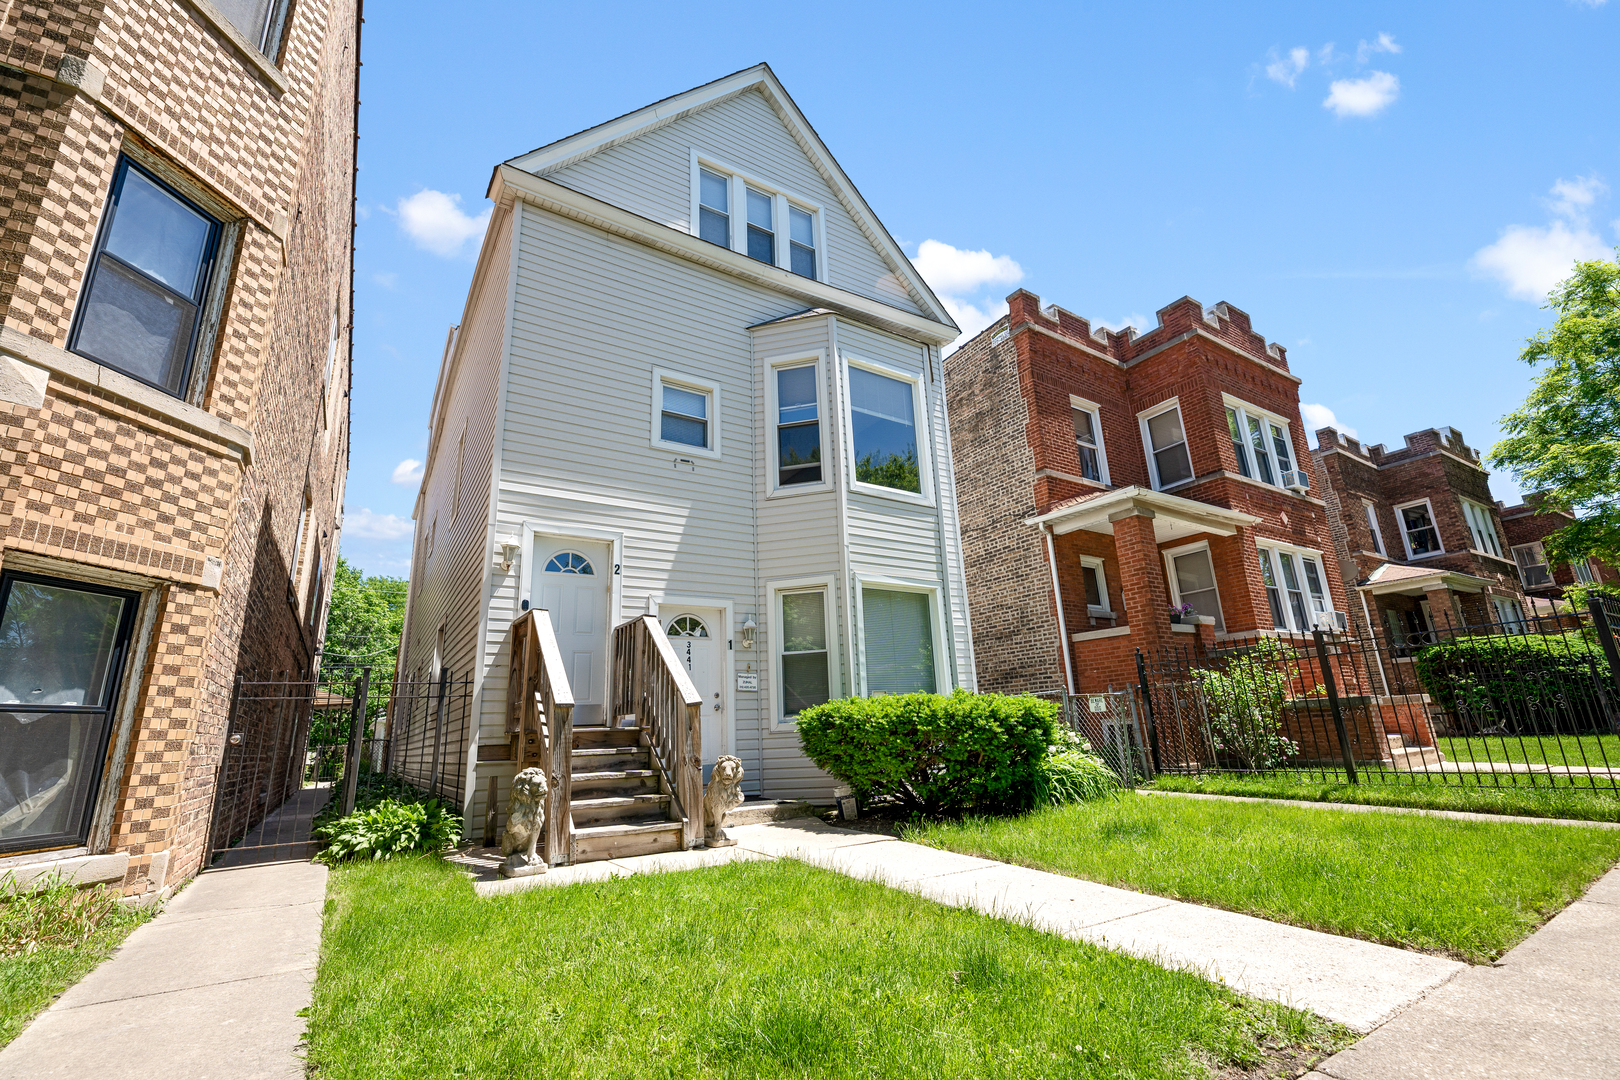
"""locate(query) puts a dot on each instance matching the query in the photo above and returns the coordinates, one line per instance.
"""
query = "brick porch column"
(1442, 612)
(1141, 571)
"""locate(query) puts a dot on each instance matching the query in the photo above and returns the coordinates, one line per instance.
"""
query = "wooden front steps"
(618, 807)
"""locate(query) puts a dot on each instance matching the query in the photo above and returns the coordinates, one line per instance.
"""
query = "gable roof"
(558, 155)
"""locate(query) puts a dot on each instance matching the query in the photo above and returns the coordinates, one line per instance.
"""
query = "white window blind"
(899, 641)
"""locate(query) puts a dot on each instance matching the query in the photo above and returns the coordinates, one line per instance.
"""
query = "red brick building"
(1105, 477)
(176, 215)
(1524, 528)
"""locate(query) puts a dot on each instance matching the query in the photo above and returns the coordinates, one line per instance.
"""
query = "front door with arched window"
(573, 585)
(698, 635)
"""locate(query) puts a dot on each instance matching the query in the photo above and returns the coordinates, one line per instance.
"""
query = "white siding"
(651, 176)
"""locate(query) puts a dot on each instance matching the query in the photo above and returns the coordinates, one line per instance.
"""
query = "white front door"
(574, 586)
(698, 635)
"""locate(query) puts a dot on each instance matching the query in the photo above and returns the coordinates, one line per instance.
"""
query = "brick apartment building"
(1524, 528)
(176, 213)
(1418, 534)
(1105, 476)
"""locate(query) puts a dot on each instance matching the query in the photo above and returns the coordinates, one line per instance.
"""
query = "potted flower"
(1182, 613)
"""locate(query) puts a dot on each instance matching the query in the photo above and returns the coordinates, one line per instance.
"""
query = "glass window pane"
(796, 394)
(1372, 526)
(681, 429)
(1420, 531)
(248, 16)
(1083, 430)
(713, 227)
(1165, 429)
(801, 227)
(686, 402)
(804, 682)
(1238, 448)
(48, 766)
(761, 245)
(884, 431)
(1173, 464)
(804, 621)
(1262, 456)
(135, 326)
(1093, 589)
(759, 209)
(803, 261)
(712, 190)
(1279, 441)
(1273, 594)
(1313, 582)
(157, 233)
(899, 642)
(57, 645)
(799, 454)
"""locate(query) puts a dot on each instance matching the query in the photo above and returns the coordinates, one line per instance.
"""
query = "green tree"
(362, 630)
(1565, 439)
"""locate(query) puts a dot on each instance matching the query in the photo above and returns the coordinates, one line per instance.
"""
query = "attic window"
(775, 228)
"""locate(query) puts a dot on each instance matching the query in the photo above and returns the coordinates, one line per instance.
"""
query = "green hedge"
(1519, 683)
(983, 753)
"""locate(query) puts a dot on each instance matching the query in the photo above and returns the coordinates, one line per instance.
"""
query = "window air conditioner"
(1334, 622)
(1296, 480)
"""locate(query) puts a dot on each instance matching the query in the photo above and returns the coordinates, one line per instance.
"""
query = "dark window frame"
(205, 274)
(114, 696)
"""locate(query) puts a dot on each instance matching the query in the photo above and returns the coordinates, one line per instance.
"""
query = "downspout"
(1063, 623)
(1372, 630)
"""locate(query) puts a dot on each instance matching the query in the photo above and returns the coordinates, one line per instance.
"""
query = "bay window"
(798, 425)
(883, 428)
(1481, 528)
(1296, 587)
(1166, 442)
(898, 641)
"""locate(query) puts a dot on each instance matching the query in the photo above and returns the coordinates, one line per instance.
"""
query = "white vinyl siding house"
(678, 414)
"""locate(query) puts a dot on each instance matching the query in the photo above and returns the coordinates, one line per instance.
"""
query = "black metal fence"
(1527, 703)
(431, 729)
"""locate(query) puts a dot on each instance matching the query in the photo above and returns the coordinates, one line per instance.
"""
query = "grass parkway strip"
(1477, 794)
(1463, 889)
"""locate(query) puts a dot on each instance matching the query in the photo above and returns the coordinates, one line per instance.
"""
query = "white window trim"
(1406, 540)
(682, 381)
(1095, 410)
(1142, 419)
(534, 531)
(835, 683)
(737, 201)
(1480, 510)
(942, 680)
(1377, 531)
(1575, 568)
(1245, 409)
(1509, 612)
(1170, 572)
(773, 486)
(1094, 563)
(1540, 551)
(919, 415)
(1264, 545)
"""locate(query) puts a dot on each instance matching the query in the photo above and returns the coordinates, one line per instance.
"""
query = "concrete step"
(1406, 758)
(621, 841)
(619, 810)
(757, 811)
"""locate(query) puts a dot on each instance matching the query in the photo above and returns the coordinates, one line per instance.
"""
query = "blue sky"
(1387, 189)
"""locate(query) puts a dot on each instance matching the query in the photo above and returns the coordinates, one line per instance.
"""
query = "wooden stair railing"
(650, 683)
(540, 721)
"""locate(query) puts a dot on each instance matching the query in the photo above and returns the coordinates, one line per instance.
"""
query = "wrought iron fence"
(1530, 703)
(431, 729)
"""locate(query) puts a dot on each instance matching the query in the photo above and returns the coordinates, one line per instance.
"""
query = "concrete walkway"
(1545, 1010)
(210, 988)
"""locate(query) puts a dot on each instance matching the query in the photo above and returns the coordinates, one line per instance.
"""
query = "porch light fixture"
(509, 554)
(748, 628)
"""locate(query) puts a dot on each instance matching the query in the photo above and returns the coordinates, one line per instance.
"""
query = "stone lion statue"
(721, 797)
(525, 820)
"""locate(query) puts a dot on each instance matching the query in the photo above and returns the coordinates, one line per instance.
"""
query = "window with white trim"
(803, 657)
(883, 430)
(1296, 588)
(1262, 446)
(685, 414)
(752, 217)
(1481, 528)
(1192, 581)
(1372, 525)
(260, 21)
(1534, 572)
(797, 401)
(1508, 613)
(897, 641)
(1582, 569)
(1166, 442)
(1095, 581)
(1088, 439)
(1417, 529)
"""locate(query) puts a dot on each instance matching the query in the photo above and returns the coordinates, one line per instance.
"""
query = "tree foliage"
(366, 617)
(1565, 439)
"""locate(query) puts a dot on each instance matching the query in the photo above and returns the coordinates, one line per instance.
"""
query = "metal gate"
(1111, 723)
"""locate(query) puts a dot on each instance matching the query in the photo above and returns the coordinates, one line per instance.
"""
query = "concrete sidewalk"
(1545, 1010)
(211, 988)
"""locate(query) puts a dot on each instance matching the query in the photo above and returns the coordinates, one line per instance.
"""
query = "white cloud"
(959, 276)
(1384, 44)
(1363, 97)
(1143, 323)
(1286, 69)
(1530, 260)
(1320, 416)
(386, 280)
(408, 471)
(369, 526)
(1573, 198)
(436, 222)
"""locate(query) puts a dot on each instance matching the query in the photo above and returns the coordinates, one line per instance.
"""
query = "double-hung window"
(883, 429)
(1372, 526)
(798, 425)
(1582, 569)
(1261, 445)
(684, 414)
(898, 641)
(260, 21)
(1192, 581)
(1417, 528)
(1088, 441)
(1481, 528)
(1533, 569)
(1508, 613)
(142, 303)
(753, 217)
(1167, 446)
(1296, 588)
(803, 658)
(62, 652)
(1095, 580)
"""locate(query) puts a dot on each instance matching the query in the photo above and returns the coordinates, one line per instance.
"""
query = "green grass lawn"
(1465, 889)
(1589, 751)
(31, 981)
(748, 970)
(1482, 794)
